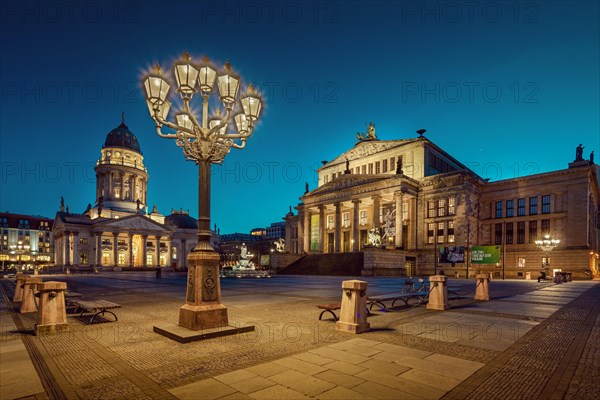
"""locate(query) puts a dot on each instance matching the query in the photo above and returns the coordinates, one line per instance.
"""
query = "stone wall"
(383, 262)
(281, 261)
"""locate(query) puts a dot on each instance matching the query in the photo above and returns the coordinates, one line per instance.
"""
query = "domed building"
(118, 231)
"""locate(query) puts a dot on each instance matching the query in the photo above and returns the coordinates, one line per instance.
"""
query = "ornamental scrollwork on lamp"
(205, 139)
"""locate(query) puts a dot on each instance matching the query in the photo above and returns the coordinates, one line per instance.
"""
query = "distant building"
(418, 198)
(260, 243)
(118, 231)
(26, 241)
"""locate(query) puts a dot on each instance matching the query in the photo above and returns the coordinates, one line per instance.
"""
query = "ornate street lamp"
(206, 141)
(547, 244)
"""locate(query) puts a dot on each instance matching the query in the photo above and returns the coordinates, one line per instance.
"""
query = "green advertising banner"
(485, 254)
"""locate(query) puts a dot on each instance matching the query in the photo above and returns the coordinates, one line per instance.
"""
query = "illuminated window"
(105, 258)
(174, 253)
(440, 232)
(452, 206)
(163, 259)
(545, 227)
(430, 228)
(363, 217)
(441, 208)
(430, 209)
(148, 259)
(121, 258)
(346, 219)
(330, 221)
(451, 231)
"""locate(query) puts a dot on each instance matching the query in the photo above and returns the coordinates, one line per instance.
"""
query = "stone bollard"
(18, 296)
(68, 271)
(482, 289)
(353, 314)
(52, 312)
(438, 295)
(29, 291)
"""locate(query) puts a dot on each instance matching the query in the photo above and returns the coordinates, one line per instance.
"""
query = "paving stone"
(303, 383)
(299, 365)
(267, 369)
(339, 393)
(384, 367)
(363, 342)
(210, 389)
(313, 358)
(405, 351)
(235, 376)
(430, 378)
(344, 367)
(278, 392)
(384, 392)
(253, 384)
(339, 378)
(340, 355)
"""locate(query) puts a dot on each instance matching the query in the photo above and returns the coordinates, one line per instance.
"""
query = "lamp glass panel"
(228, 87)
(184, 121)
(252, 106)
(186, 76)
(207, 78)
(242, 123)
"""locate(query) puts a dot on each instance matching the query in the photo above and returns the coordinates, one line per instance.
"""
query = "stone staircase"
(336, 264)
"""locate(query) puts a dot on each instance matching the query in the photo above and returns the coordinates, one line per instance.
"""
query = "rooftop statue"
(579, 153)
(370, 135)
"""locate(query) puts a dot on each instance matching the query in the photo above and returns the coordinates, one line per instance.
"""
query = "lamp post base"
(203, 317)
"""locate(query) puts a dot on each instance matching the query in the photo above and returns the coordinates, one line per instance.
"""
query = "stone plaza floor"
(531, 341)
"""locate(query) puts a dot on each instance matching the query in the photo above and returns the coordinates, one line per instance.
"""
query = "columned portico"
(67, 248)
(144, 245)
(115, 248)
(130, 250)
(306, 231)
(98, 248)
(75, 247)
(157, 250)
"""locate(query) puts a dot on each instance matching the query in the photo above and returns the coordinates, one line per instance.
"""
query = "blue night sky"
(508, 88)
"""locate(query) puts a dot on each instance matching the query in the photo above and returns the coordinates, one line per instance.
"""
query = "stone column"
(19, 279)
(110, 186)
(321, 228)
(376, 211)
(338, 227)
(306, 231)
(29, 291)
(52, 313)
(98, 249)
(144, 244)
(355, 225)
(157, 251)
(353, 314)
(115, 249)
(398, 200)
(438, 294)
(67, 248)
(482, 291)
(76, 257)
(131, 250)
(183, 255)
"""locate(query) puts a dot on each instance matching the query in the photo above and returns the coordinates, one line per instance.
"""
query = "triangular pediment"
(134, 222)
(367, 148)
(347, 182)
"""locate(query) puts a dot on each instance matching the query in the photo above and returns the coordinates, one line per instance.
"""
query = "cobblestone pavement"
(516, 334)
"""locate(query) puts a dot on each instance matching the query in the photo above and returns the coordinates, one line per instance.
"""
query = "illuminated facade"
(118, 231)
(419, 198)
(26, 241)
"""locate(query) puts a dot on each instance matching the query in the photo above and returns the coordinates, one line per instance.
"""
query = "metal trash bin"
(569, 279)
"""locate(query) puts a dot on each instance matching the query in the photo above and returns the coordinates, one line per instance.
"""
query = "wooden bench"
(70, 303)
(330, 308)
(405, 297)
(97, 307)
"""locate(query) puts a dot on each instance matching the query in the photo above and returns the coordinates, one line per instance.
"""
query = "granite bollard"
(482, 291)
(52, 312)
(438, 295)
(18, 296)
(29, 290)
(353, 313)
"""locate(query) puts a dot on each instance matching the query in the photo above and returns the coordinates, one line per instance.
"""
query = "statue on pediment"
(579, 153)
(370, 135)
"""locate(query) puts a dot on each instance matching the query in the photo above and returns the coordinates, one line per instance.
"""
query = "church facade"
(402, 202)
(119, 231)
